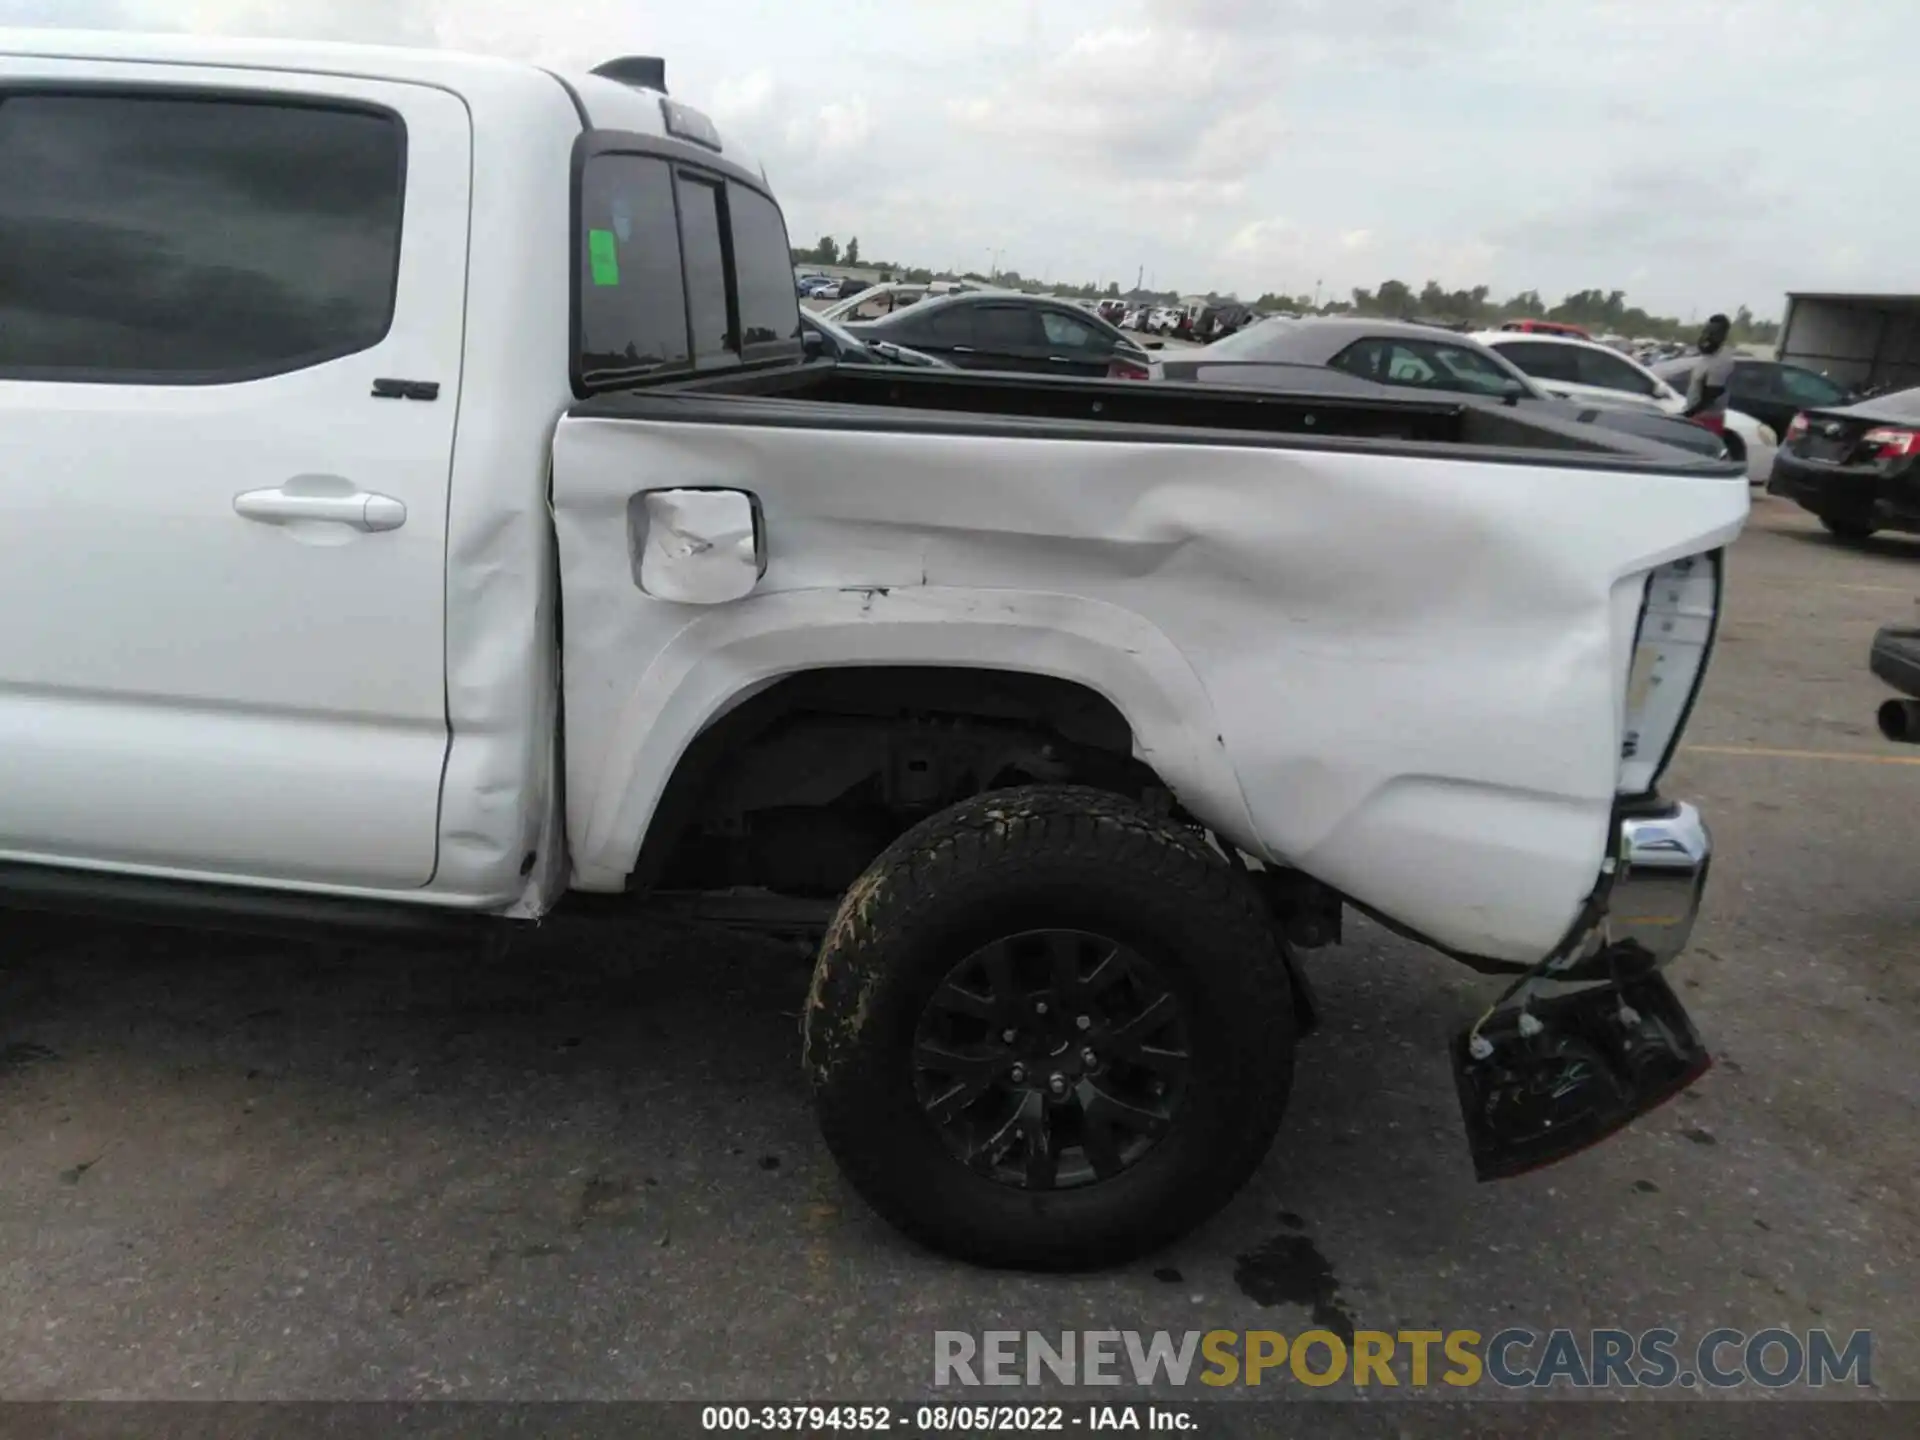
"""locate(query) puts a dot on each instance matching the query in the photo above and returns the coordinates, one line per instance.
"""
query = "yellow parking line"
(1765, 754)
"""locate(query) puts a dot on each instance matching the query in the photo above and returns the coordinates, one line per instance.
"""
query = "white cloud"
(837, 128)
(747, 99)
(1695, 151)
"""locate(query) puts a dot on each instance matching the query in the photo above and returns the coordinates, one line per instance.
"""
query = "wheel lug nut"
(1009, 1036)
(1019, 1074)
(1088, 1058)
(1057, 1084)
(1083, 1021)
(1040, 1007)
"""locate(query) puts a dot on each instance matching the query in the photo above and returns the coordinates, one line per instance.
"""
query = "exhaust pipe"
(1900, 721)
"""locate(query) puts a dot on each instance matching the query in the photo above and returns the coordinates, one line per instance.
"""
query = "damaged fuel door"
(696, 546)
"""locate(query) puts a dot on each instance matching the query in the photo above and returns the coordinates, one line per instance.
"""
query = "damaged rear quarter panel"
(1399, 672)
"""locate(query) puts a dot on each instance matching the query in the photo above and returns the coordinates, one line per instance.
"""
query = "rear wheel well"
(799, 787)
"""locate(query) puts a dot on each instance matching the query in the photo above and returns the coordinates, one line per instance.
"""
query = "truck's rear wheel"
(1049, 1029)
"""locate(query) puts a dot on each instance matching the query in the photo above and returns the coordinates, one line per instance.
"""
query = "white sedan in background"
(1583, 370)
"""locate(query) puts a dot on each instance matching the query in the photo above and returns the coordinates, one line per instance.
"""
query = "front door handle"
(360, 509)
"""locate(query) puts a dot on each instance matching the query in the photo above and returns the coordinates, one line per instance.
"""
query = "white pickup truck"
(418, 501)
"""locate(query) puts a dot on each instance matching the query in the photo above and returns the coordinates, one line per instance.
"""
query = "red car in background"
(1546, 327)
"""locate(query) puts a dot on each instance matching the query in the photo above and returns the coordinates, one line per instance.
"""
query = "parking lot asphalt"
(236, 1168)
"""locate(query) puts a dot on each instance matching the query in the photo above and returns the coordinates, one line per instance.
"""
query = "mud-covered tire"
(1010, 862)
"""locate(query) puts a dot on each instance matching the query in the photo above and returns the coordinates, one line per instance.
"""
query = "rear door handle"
(361, 509)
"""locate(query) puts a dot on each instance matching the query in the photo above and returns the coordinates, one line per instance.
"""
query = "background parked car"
(1588, 371)
(1333, 355)
(824, 337)
(1216, 322)
(1857, 466)
(1012, 332)
(1546, 327)
(1769, 391)
(870, 302)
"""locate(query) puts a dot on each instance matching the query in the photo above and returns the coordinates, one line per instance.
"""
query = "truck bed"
(1348, 635)
(823, 395)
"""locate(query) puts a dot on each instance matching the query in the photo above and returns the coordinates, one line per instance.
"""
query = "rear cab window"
(179, 238)
(681, 265)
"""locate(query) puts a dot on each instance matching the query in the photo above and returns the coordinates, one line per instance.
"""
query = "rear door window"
(167, 239)
(678, 267)
(633, 296)
(1007, 327)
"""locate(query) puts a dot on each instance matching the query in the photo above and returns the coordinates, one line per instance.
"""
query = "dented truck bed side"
(1398, 669)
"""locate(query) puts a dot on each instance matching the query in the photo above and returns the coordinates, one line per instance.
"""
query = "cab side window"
(175, 240)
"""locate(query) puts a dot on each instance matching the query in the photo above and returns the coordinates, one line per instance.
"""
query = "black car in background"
(1856, 467)
(1769, 390)
(1337, 356)
(827, 339)
(989, 331)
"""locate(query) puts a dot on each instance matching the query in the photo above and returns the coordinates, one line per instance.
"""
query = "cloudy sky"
(1699, 154)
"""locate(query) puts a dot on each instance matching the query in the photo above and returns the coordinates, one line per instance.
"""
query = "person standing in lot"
(1707, 388)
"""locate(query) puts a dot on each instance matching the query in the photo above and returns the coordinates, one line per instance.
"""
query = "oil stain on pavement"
(1290, 1270)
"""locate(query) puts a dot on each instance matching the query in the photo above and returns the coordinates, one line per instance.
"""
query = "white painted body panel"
(1402, 674)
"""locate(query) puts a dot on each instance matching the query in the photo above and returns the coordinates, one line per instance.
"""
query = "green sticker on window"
(603, 253)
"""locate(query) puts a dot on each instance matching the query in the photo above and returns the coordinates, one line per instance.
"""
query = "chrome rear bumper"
(1663, 859)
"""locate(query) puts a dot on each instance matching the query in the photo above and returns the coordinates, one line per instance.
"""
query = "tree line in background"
(1601, 311)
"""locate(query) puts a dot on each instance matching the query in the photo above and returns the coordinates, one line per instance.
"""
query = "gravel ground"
(240, 1169)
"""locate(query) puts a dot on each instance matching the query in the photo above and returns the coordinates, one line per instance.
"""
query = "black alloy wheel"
(1051, 1059)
